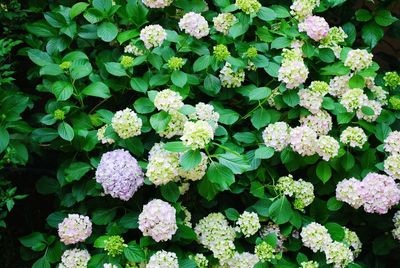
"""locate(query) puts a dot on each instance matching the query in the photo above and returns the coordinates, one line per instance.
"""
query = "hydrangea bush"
(193, 133)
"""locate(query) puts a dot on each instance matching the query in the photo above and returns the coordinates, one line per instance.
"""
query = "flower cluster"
(194, 24)
(392, 79)
(353, 99)
(392, 162)
(223, 22)
(316, 27)
(163, 165)
(248, 223)
(353, 136)
(229, 78)
(114, 245)
(75, 228)
(301, 9)
(293, 72)
(175, 63)
(248, 6)
(101, 135)
(376, 193)
(132, 49)
(264, 251)
(205, 112)
(74, 258)
(215, 234)
(197, 135)
(303, 140)
(175, 125)
(200, 260)
(327, 147)
(242, 260)
(272, 228)
(120, 174)
(376, 108)
(339, 85)
(396, 221)
(153, 36)
(277, 135)
(157, 3)
(168, 100)
(320, 122)
(311, 100)
(126, 61)
(358, 59)
(221, 52)
(351, 239)
(302, 191)
(309, 264)
(392, 165)
(163, 259)
(158, 220)
(334, 38)
(126, 123)
(338, 254)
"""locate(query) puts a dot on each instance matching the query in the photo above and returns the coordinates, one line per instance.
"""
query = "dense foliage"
(192, 133)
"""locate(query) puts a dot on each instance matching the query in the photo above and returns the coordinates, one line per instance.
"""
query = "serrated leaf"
(65, 131)
(97, 89)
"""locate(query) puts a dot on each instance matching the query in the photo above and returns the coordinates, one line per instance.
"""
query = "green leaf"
(80, 69)
(179, 78)
(384, 18)
(35, 241)
(335, 230)
(77, 9)
(207, 189)
(4, 139)
(97, 89)
(236, 162)
(190, 159)
(42, 263)
(371, 33)
(335, 69)
(130, 220)
(55, 218)
(264, 152)
(367, 110)
(134, 253)
(280, 42)
(333, 204)
(115, 68)
(291, 98)
(201, 63)
(127, 35)
(326, 55)
(266, 14)
(103, 216)
(160, 121)
(139, 85)
(44, 134)
(100, 242)
(348, 161)
(356, 81)
(175, 146)
(158, 80)
(46, 185)
(259, 93)
(260, 118)
(185, 232)
(324, 171)
(212, 84)
(220, 175)
(63, 90)
(143, 105)
(382, 131)
(280, 11)
(51, 69)
(170, 192)
(382, 245)
(39, 57)
(232, 214)
(257, 189)
(76, 171)
(280, 210)
(103, 5)
(65, 131)
(363, 15)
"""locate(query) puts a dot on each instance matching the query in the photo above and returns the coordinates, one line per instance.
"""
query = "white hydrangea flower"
(158, 220)
(380, 94)
(303, 140)
(396, 221)
(353, 136)
(109, 265)
(392, 166)
(277, 135)
(339, 85)
(392, 143)
(351, 239)
(126, 123)
(303, 193)
(242, 260)
(74, 258)
(310, 100)
(375, 106)
(163, 165)
(353, 99)
(163, 259)
(198, 172)
(248, 6)
(223, 22)
(206, 112)
(197, 135)
(132, 49)
(153, 36)
(320, 122)
(175, 125)
(309, 264)
(200, 260)
(168, 100)
(157, 3)
(301, 9)
(229, 78)
(358, 59)
(194, 24)
(101, 135)
(285, 185)
(315, 237)
(338, 254)
(348, 191)
(248, 223)
(293, 72)
(327, 147)
(215, 234)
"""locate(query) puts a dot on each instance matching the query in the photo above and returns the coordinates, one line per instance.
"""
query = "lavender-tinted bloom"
(119, 174)
(75, 228)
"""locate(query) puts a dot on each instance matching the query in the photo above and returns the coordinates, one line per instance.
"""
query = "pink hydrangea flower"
(75, 228)
(316, 27)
